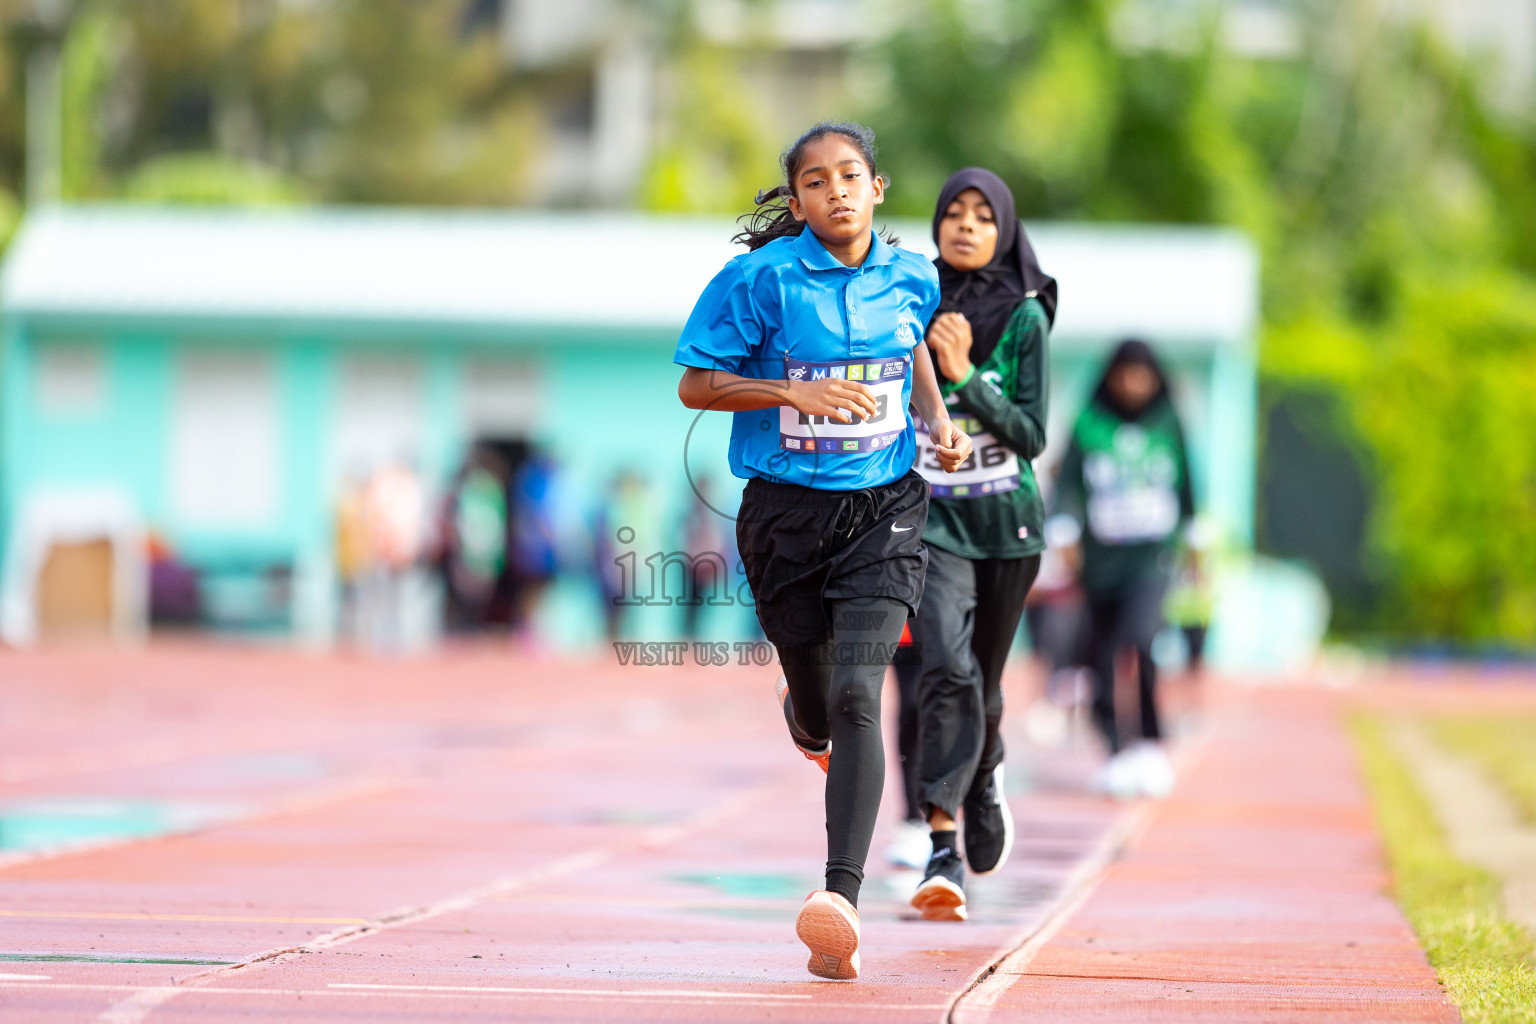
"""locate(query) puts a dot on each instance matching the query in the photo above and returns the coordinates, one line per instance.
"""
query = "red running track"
(468, 838)
(481, 838)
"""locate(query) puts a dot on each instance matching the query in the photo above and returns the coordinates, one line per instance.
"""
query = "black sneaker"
(988, 827)
(941, 896)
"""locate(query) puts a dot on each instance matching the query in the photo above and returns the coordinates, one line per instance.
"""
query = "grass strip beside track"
(1482, 958)
(1503, 748)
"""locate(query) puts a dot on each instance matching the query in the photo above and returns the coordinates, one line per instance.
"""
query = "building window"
(71, 380)
(225, 442)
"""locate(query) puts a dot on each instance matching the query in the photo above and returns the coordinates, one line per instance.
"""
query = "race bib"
(993, 468)
(887, 378)
(1133, 515)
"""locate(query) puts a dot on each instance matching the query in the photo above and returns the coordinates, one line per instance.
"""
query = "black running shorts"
(802, 547)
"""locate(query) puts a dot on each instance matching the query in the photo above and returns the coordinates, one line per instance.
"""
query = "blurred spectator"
(1188, 606)
(352, 555)
(710, 554)
(173, 586)
(394, 515)
(474, 533)
(620, 517)
(1123, 493)
(532, 553)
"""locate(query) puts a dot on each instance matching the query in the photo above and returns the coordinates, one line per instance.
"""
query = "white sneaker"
(1117, 777)
(911, 846)
(1155, 777)
(1047, 723)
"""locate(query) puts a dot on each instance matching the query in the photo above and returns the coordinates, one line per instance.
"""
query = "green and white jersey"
(990, 507)
(1126, 482)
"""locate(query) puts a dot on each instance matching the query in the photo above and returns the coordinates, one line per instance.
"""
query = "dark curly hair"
(772, 218)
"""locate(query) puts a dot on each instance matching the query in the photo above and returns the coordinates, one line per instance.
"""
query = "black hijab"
(988, 297)
(1128, 352)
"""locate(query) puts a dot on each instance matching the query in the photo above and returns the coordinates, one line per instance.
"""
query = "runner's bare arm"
(727, 392)
(951, 444)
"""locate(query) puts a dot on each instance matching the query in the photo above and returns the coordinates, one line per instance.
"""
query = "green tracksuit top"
(991, 507)
(1126, 483)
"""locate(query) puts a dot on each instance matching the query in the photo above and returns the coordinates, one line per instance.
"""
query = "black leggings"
(909, 672)
(965, 628)
(1129, 620)
(834, 693)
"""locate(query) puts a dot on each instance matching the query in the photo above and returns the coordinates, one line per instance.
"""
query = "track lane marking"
(139, 1006)
(112, 915)
(989, 984)
(630, 901)
(745, 999)
(684, 993)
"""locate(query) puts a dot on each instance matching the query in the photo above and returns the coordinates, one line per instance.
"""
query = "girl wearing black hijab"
(984, 532)
(1123, 497)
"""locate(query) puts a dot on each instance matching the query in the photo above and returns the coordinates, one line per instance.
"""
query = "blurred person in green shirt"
(1123, 498)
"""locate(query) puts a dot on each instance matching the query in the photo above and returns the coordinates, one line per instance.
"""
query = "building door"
(74, 591)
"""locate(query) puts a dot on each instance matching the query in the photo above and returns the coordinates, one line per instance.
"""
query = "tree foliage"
(1394, 207)
(269, 100)
(1393, 203)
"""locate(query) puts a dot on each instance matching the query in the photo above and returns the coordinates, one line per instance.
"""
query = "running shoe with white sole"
(941, 896)
(1116, 778)
(1154, 772)
(821, 755)
(988, 825)
(910, 846)
(829, 926)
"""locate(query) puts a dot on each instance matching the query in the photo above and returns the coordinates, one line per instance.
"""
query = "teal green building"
(221, 374)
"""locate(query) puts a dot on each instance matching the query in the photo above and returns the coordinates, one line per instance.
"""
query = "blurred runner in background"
(1123, 494)
(985, 525)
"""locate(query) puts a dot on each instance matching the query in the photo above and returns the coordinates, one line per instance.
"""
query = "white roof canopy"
(495, 269)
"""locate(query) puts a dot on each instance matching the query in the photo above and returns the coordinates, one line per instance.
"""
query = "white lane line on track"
(681, 997)
(594, 992)
(977, 1000)
(133, 1011)
(25, 977)
(137, 1006)
(115, 915)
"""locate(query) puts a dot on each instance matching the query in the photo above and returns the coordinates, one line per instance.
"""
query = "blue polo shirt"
(791, 309)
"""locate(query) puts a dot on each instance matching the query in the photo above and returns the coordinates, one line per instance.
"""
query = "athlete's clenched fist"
(951, 445)
(842, 400)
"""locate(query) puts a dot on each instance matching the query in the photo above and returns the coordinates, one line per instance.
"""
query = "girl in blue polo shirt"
(814, 340)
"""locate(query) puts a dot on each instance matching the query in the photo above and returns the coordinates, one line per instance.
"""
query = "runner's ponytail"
(772, 218)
